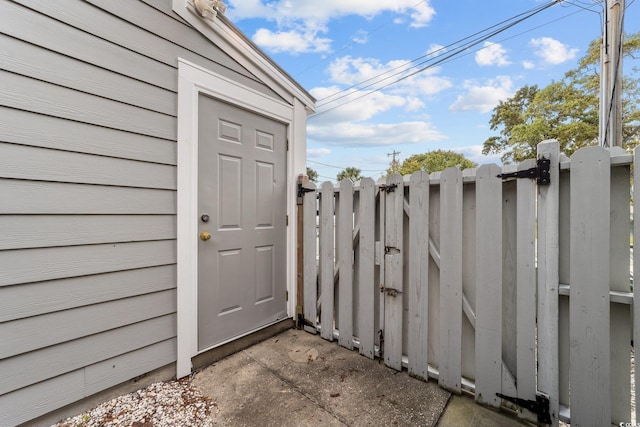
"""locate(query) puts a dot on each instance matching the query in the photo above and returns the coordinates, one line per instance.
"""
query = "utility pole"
(395, 165)
(610, 129)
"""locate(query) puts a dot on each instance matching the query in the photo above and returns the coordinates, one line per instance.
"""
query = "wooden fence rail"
(500, 287)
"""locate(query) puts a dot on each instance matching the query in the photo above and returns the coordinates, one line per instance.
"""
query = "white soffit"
(231, 40)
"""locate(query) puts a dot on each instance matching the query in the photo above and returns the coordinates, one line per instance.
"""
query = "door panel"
(242, 188)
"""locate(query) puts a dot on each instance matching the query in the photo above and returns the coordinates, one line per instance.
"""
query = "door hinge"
(287, 145)
(287, 220)
(540, 173)
(286, 295)
(540, 406)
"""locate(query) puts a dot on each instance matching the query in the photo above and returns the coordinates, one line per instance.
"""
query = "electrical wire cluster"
(423, 62)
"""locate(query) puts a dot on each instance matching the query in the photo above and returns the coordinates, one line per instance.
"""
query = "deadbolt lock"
(205, 218)
(205, 235)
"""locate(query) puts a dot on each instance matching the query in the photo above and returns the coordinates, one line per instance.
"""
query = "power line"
(457, 51)
(413, 63)
(341, 168)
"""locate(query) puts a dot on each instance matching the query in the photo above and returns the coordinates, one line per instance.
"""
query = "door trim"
(192, 81)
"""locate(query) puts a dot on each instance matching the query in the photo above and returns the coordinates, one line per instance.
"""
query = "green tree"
(566, 110)
(432, 161)
(354, 174)
(312, 175)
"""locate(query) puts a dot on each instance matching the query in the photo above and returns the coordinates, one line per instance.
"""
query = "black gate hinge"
(302, 191)
(540, 406)
(301, 322)
(389, 188)
(540, 173)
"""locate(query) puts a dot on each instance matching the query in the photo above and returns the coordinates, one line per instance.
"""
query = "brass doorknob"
(205, 235)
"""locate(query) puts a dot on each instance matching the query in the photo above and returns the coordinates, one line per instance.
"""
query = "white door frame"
(192, 81)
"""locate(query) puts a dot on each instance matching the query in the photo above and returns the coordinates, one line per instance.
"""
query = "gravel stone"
(164, 404)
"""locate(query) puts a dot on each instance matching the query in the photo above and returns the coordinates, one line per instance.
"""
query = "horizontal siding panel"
(24, 370)
(28, 94)
(31, 402)
(156, 21)
(36, 400)
(33, 299)
(83, 15)
(35, 197)
(32, 265)
(41, 231)
(43, 164)
(152, 19)
(38, 332)
(52, 132)
(27, 59)
(25, 24)
(122, 368)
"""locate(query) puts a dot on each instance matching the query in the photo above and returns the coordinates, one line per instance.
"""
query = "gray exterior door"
(242, 190)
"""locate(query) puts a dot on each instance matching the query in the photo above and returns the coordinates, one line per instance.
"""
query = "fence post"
(548, 279)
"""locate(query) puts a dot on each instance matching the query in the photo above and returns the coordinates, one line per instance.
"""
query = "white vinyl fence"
(515, 291)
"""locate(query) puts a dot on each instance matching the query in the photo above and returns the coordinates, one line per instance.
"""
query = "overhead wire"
(340, 167)
(510, 22)
(438, 60)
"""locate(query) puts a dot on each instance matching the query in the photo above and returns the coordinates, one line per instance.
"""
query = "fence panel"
(310, 240)
(418, 275)
(485, 283)
(393, 278)
(589, 297)
(366, 269)
(344, 244)
(327, 256)
(488, 285)
(450, 358)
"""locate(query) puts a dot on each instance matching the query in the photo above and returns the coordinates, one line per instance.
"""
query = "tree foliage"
(432, 161)
(354, 174)
(566, 110)
(312, 175)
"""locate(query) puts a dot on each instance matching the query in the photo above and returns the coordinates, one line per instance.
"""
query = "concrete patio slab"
(298, 379)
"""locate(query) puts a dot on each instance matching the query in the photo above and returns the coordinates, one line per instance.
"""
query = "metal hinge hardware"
(540, 406)
(540, 173)
(389, 188)
(302, 190)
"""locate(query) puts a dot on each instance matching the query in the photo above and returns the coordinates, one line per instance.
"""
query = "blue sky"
(331, 45)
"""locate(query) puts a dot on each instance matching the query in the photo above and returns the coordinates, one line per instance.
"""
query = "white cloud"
(492, 54)
(354, 109)
(351, 71)
(552, 51)
(287, 11)
(292, 41)
(474, 153)
(380, 134)
(528, 65)
(483, 97)
(316, 153)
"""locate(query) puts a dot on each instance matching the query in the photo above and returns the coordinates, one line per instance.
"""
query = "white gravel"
(165, 404)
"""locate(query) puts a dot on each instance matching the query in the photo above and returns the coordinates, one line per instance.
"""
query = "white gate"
(494, 285)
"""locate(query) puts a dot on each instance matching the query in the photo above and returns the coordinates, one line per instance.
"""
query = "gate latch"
(540, 406)
(390, 291)
(540, 173)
